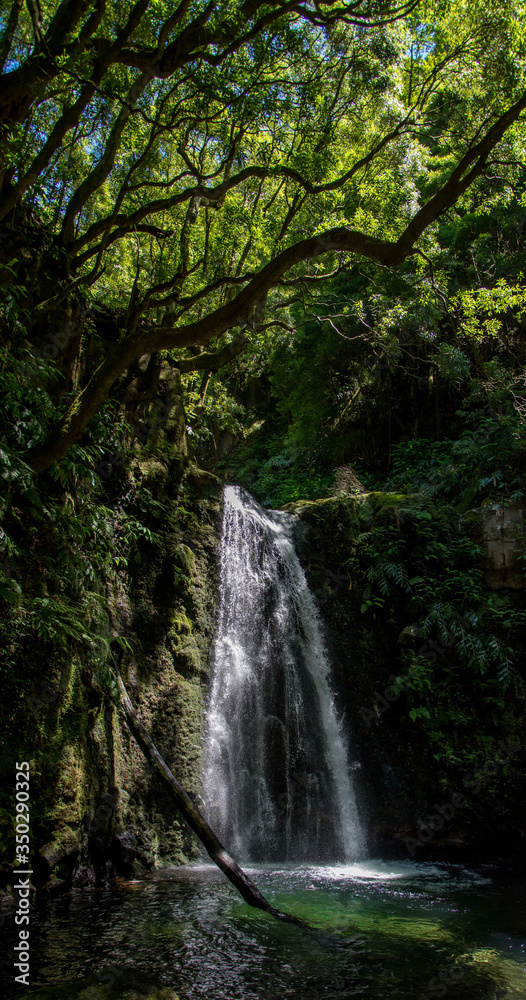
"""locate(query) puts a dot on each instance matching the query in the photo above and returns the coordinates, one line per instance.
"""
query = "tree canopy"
(200, 170)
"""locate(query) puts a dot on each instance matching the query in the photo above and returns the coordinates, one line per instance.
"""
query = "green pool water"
(399, 931)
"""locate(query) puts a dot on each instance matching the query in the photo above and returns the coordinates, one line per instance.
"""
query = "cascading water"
(277, 783)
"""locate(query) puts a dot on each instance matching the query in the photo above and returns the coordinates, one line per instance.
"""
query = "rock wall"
(96, 807)
(503, 535)
(110, 812)
(437, 744)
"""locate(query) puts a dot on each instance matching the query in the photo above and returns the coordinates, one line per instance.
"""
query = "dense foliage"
(200, 172)
(306, 222)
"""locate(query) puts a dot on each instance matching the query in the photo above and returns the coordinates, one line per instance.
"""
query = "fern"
(398, 573)
(506, 674)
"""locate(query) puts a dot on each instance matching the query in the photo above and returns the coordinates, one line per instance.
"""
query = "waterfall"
(276, 783)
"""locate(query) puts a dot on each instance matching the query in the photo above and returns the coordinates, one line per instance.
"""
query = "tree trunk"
(186, 807)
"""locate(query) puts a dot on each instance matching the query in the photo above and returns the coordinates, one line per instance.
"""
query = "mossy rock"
(202, 478)
(473, 522)
(403, 929)
(362, 510)
(185, 651)
(155, 475)
(184, 559)
(181, 624)
(474, 973)
(315, 508)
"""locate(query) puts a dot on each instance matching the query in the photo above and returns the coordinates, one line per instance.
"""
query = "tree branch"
(71, 115)
(19, 85)
(193, 817)
(100, 172)
(460, 180)
(236, 312)
(35, 13)
(212, 361)
(9, 32)
(216, 195)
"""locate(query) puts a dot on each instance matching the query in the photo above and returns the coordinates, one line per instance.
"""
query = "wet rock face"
(102, 811)
(503, 536)
(169, 615)
(157, 591)
(126, 857)
(407, 772)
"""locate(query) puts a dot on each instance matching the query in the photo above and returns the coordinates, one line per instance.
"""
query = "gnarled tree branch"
(212, 361)
(236, 312)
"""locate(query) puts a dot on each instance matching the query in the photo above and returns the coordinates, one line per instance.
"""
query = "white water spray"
(277, 784)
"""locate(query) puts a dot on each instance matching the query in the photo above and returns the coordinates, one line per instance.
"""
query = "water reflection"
(386, 931)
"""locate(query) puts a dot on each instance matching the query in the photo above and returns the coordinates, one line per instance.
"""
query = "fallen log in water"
(191, 814)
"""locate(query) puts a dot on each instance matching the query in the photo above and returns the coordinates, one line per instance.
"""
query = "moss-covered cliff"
(429, 667)
(123, 567)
